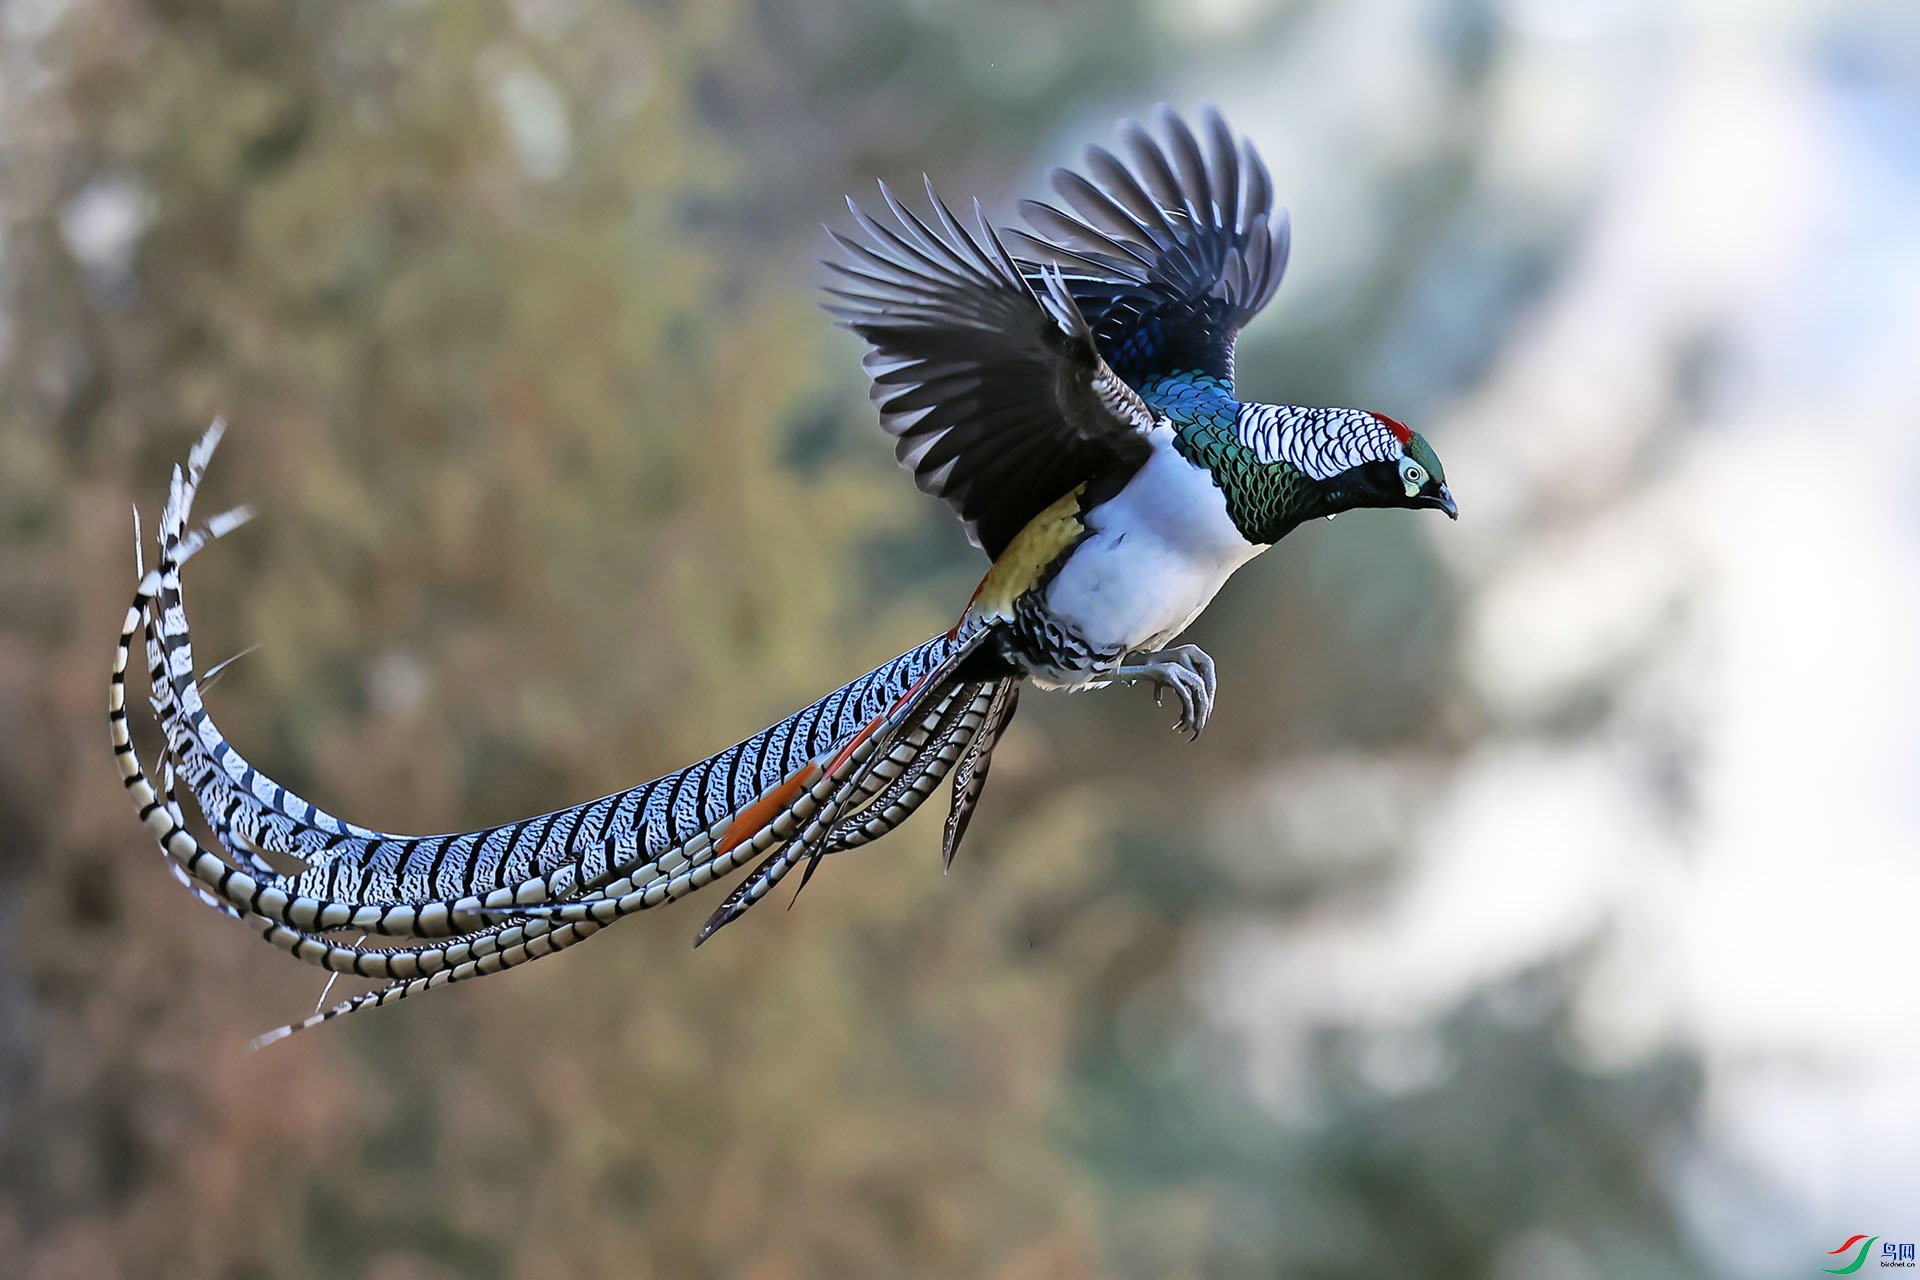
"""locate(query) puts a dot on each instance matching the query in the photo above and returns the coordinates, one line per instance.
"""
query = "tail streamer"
(432, 910)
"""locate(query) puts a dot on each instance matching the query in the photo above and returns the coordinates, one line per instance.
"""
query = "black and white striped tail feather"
(658, 877)
(360, 867)
(495, 947)
(927, 768)
(542, 929)
(663, 884)
(965, 737)
(251, 812)
(626, 893)
(970, 775)
(215, 883)
(212, 880)
(159, 809)
(194, 740)
(123, 746)
(950, 734)
(173, 688)
(294, 920)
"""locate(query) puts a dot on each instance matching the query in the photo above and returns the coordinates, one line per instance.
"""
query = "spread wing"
(1169, 257)
(990, 379)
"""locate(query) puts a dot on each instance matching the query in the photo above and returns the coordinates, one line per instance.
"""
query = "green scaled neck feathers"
(1265, 500)
(1281, 465)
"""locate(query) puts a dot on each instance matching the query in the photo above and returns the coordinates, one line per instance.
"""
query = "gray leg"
(1187, 670)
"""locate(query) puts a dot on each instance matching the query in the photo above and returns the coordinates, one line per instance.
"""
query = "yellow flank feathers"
(1035, 547)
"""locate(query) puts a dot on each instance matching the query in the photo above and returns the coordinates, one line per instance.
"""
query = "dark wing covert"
(990, 378)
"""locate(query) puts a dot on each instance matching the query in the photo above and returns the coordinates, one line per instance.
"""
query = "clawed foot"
(1186, 670)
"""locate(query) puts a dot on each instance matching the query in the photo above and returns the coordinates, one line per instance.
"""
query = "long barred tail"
(834, 775)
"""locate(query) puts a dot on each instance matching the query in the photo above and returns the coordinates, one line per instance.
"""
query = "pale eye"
(1412, 475)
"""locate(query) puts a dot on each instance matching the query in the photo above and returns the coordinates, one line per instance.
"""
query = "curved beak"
(1443, 499)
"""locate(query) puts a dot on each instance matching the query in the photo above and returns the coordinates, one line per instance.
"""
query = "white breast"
(1158, 553)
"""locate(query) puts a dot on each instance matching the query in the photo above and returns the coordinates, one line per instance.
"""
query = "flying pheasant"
(1068, 390)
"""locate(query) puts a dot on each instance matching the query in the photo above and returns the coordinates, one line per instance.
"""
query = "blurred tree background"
(563, 481)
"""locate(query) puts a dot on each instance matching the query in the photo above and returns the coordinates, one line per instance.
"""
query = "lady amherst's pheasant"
(1067, 390)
